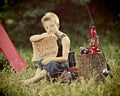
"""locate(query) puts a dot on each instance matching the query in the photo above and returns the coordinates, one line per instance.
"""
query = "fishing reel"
(107, 72)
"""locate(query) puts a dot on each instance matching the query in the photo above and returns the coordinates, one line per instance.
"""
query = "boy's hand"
(53, 36)
(45, 61)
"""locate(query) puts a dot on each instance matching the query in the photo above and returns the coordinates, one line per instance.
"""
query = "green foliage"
(22, 19)
(25, 21)
(10, 82)
(80, 1)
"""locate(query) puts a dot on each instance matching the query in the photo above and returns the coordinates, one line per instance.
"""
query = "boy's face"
(50, 27)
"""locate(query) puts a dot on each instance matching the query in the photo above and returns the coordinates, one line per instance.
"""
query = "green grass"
(10, 81)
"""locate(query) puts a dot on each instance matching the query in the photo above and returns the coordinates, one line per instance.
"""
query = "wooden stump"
(89, 65)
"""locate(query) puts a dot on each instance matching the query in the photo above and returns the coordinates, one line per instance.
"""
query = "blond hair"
(52, 16)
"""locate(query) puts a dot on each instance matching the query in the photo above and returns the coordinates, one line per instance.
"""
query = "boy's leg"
(38, 70)
(38, 75)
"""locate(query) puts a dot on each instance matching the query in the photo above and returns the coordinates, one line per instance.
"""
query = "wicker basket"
(89, 65)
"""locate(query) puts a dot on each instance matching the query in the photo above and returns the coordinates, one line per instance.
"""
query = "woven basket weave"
(89, 64)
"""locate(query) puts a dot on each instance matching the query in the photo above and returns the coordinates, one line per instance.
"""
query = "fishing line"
(91, 19)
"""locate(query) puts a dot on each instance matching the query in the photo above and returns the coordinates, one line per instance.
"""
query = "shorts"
(53, 67)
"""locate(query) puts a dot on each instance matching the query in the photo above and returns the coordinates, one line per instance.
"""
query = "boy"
(51, 65)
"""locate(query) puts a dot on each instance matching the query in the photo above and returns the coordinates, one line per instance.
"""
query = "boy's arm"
(64, 58)
(38, 37)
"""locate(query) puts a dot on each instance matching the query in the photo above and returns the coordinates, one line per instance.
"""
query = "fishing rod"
(93, 31)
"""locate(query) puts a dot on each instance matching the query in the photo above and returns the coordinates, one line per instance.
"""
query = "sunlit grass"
(10, 82)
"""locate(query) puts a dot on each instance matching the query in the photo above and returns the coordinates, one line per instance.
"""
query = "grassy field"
(10, 81)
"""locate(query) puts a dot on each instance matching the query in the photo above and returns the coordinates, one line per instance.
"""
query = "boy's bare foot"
(25, 82)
